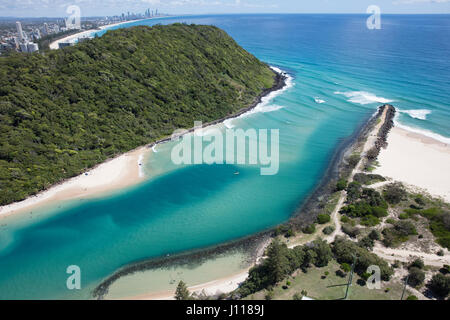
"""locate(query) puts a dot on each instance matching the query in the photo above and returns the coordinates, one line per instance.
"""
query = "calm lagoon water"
(341, 72)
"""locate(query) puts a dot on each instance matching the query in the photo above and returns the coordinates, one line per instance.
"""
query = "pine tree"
(182, 292)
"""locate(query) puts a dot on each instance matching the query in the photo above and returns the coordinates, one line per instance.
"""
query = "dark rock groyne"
(253, 245)
(339, 167)
(388, 124)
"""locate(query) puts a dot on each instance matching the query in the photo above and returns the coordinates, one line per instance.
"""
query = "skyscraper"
(46, 31)
(19, 30)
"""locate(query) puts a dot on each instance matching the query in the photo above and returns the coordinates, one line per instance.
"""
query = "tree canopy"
(64, 111)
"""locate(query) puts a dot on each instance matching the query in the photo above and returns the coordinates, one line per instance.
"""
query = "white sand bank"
(417, 160)
(114, 174)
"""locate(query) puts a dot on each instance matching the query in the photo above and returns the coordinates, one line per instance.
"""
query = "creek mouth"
(253, 245)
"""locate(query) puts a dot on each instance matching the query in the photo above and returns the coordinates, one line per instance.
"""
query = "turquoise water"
(341, 72)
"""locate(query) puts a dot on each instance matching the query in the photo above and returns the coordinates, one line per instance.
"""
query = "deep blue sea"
(341, 72)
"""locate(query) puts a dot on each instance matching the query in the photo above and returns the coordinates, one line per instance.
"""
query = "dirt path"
(369, 144)
(408, 255)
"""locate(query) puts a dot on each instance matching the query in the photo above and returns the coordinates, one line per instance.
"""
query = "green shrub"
(403, 216)
(416, 277)
(370, 221)
(297, 296)
(367, 243)
(352, 232)
(345, 251)
(323, 218)
(390, 221)
(353, 160)
(328, 230)
(346, 267)
(440, 285)
(374, 235)
(394, 193)
(417, 263)
(341, 185)
(310, 229)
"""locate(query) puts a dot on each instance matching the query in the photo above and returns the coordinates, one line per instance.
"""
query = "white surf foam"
(363, 97)
(423, 132)
(264, 105)
(154, 149)
(318, 100)
(420, 114)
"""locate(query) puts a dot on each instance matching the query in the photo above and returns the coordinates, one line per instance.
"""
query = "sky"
(57, 8)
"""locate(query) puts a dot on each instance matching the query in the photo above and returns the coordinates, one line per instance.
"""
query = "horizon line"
(228, 13)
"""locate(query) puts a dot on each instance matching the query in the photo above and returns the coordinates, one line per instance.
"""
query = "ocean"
(340, 72)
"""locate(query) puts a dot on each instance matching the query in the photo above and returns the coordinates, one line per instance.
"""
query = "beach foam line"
(424, 132)
(420, 114)
(264, 106)
(363, 97)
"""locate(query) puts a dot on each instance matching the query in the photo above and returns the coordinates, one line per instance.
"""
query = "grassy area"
(326, 289)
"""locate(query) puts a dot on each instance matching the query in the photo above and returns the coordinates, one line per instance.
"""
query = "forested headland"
(62, 112)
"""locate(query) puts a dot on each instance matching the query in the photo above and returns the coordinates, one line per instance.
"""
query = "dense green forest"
(65, 111)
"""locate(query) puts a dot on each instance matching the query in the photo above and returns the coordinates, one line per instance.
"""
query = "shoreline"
(109, 176)
(280, 83)
(416, 160)
(255, 244)
(114, 174)
(336, 165)
(211, 288)
(55, 44)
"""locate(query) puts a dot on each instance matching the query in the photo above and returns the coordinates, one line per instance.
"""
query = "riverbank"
(120, 172)
(416, 160)
(114, 174)
(253, 245)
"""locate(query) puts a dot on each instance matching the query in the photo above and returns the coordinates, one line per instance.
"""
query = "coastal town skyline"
(57, 8)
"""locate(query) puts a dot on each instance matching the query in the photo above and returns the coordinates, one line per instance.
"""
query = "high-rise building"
(46, 30)
(20, 31)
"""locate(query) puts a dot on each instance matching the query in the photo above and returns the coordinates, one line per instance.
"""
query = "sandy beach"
(55, 44)
(224, 285)
(417, 160)
(120, 172)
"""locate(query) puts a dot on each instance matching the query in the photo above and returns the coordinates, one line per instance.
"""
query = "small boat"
(236, 173)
